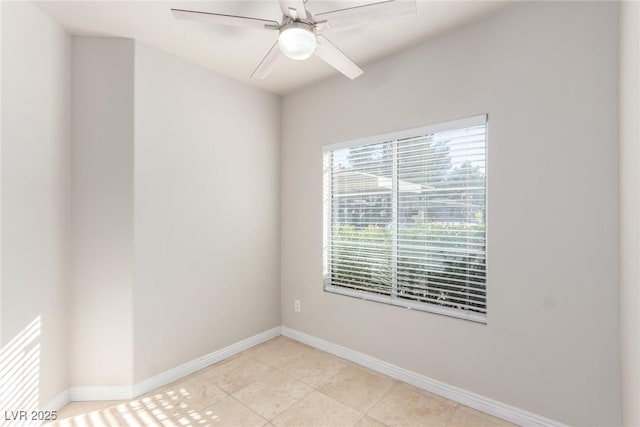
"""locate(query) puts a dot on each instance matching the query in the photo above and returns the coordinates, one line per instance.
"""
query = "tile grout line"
(274, 369)
(292, 405)
(360, 419)
(324, 381)
(315, 388)
(250, 409)
(455, 409)
(349, 363)
(395, 382)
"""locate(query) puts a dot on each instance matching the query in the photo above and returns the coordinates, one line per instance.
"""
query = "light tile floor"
(280, 383)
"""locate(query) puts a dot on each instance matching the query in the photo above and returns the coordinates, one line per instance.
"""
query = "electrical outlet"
(296, 305)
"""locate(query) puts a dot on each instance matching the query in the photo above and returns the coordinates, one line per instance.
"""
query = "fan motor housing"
(297, 24)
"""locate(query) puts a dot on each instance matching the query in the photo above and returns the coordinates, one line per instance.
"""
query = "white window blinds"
(404, 218)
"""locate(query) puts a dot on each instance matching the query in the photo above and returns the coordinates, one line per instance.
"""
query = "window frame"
(477, 120)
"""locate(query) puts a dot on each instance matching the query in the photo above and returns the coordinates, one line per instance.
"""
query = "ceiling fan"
(302, 34)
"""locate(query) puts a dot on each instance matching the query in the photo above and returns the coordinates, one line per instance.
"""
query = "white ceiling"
(235, 52)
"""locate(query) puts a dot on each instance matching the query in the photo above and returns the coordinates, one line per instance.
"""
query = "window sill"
(408, 304)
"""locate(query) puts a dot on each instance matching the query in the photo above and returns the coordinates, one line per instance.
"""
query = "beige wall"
(176, 230)
(35, 192)
(546, 74)
(206, 212)
(195, 254)
(101, 351)
(629, 108)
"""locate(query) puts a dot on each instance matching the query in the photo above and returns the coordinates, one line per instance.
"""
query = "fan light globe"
(297, 43)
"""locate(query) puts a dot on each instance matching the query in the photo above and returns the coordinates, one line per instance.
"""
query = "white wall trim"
(473, 400)
(130, 391)
(202, 362)
(57, 402)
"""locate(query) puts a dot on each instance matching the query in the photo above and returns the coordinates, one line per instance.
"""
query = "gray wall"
(546, 74)
(629, 110)
(35, 196)
(102, 211)
(175, 212)
(196, 250)
(206, 211)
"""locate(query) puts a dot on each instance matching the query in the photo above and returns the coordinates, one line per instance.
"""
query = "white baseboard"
(129, 392)
(473, 400)
(202, 362)
(57, 402)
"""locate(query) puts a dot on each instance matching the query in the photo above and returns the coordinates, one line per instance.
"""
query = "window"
(404, 218)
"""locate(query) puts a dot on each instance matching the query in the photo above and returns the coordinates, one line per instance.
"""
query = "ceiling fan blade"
(268, 63)
(333, 56)
(294, 9)
(218, 18)
(352, 17)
